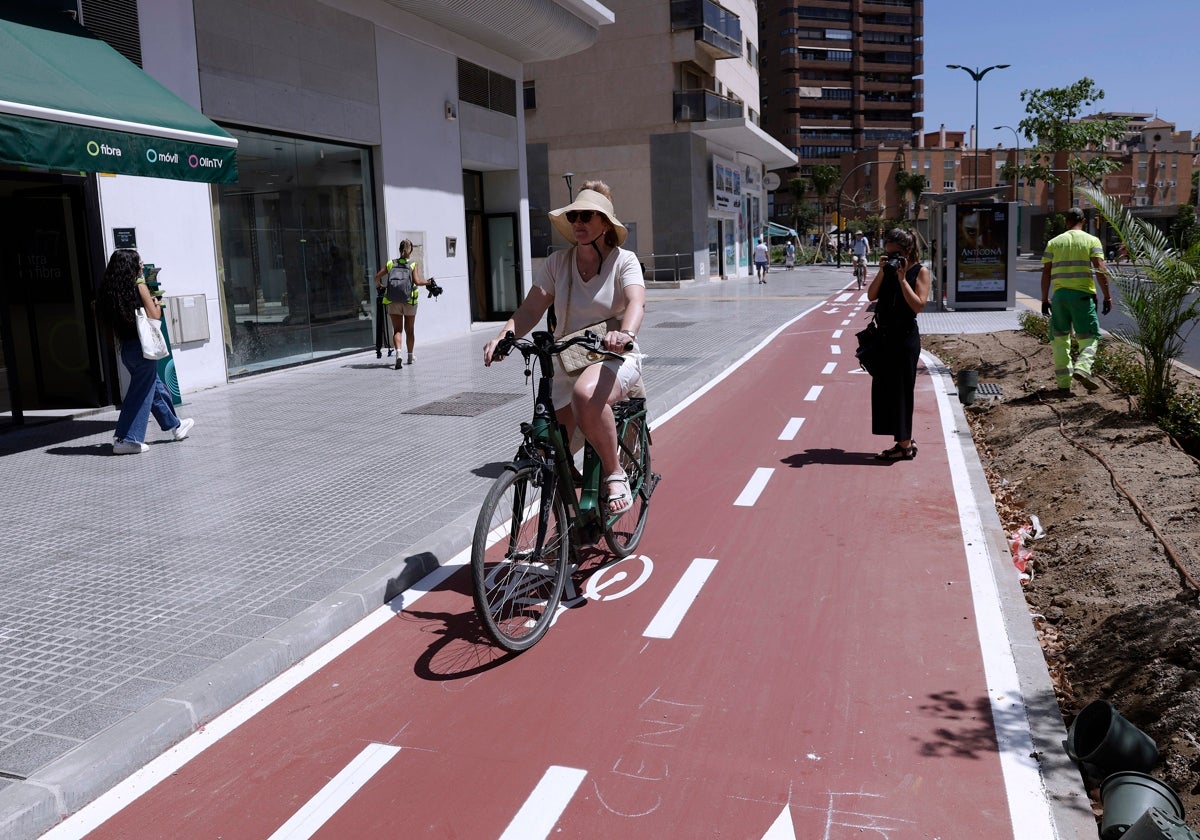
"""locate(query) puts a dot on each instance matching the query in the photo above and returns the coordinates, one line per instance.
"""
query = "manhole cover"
(989, 389)
(464, 404)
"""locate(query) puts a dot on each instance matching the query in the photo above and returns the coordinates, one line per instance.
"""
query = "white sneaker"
(128, 447)
(185, 426)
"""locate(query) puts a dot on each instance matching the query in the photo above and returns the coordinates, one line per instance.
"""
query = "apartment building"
(664, 109)
(268, 157)
(839, 76)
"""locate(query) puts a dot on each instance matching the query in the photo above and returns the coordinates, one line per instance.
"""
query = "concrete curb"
(1071, 810)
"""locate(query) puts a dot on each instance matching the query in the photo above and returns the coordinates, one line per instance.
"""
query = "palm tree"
(911, 185)
(1158, 292)
(823, 178)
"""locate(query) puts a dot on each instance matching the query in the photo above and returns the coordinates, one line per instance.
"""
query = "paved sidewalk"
(141, 596)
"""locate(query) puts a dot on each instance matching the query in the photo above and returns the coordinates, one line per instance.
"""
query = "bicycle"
(860, 270)
(535, 518)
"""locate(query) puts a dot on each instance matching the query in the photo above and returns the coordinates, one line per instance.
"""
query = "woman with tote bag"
(122, 301)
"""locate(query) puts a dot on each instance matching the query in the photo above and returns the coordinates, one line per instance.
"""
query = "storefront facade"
(343, 128)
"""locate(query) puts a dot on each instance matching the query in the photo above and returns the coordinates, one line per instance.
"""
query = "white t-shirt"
(761, 254)
(860, 246)
(599, 298)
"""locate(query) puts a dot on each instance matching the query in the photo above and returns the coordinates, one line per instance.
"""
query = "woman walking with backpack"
(400, 294)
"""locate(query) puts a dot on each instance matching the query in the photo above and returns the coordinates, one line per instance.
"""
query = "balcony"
(717, 28)
(705, 106)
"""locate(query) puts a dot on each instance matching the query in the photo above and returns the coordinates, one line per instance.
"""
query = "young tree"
(1185, 230)
(1158, 292)
(798, 187)
(1053, 118)
(823, 178)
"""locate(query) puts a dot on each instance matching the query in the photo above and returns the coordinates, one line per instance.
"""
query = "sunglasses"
(584, 216)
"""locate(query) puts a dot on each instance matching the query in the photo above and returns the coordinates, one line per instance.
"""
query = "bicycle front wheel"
(519, 557)
(624, 532)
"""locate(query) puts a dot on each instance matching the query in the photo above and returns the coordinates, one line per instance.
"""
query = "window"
(947, 186)
(530, 96)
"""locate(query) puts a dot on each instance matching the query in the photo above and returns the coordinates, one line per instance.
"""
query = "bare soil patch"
(1113, 589)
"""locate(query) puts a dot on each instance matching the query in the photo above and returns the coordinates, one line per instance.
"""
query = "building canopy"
(69, 101)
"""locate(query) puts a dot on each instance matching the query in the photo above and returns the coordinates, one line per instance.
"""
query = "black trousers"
(893, 388)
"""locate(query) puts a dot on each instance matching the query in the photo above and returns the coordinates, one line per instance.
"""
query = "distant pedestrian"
(1069, 263)
(404, 280)
(762, 257)
(122, 292)
(899, 290)
(789, 255)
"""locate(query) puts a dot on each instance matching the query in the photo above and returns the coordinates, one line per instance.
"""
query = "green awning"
(71, 102)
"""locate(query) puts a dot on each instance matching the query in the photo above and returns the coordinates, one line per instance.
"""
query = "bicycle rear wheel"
(519, 557)
(633, 446)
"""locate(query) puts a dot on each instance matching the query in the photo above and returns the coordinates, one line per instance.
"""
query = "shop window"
(297, 251)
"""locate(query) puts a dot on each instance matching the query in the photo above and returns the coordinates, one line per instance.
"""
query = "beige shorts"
(401, 308)
(628, 372)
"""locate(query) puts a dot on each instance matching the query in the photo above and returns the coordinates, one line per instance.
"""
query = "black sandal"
(898, 453)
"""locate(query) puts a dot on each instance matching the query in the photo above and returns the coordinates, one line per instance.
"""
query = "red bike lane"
(825, 681)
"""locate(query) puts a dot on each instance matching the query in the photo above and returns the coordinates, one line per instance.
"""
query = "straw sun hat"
(587, 200)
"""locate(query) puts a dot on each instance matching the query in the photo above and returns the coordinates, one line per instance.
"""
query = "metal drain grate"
(465, 404)
(674, 325)
(989, 389)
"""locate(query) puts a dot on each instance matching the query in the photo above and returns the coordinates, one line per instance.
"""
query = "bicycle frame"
(546, 434)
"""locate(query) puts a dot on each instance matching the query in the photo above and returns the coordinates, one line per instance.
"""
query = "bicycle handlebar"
(543, 345)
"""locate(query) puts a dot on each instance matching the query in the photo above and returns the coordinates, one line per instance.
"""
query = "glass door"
(504, 286)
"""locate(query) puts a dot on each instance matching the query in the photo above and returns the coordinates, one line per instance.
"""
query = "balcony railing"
(713, 24)
(702, 105)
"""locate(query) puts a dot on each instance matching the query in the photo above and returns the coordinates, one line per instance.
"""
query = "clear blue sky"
(1143, 55)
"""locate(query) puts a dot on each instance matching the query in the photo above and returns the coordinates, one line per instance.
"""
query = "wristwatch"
(632, 336)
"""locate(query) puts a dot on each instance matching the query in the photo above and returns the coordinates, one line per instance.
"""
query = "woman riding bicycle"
(595, 280)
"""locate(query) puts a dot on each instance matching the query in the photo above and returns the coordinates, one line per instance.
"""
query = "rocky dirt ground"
(1114, 582)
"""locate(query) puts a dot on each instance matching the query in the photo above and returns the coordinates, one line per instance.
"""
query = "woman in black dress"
(899, 290)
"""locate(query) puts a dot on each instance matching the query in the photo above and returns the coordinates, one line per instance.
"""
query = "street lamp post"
(841, 221)
(567, 176)
(1017, 179)
(977, 74)
(842, 186)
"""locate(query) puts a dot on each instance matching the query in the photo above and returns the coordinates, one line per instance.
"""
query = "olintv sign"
(27, 141)
(982, 271)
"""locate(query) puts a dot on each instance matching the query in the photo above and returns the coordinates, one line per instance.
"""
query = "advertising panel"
(727, 186)
(982, 257)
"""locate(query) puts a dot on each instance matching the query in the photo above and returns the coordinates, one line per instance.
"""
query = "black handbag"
(870, 352)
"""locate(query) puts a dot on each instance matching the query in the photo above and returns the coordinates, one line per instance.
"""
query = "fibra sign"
(96, 149)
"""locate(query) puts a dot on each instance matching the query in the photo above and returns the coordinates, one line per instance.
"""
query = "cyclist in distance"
(596, 284)
(858, 251)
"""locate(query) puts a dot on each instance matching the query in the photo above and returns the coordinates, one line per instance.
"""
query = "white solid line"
(545, 805)
(835, 349)
(792, 427)
(1028, 806)
(754, 487)
(666, 622)
(846, 323)
(837, 334)
(104, 807)
(329, 799)
(830, 367)
(813, 393)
